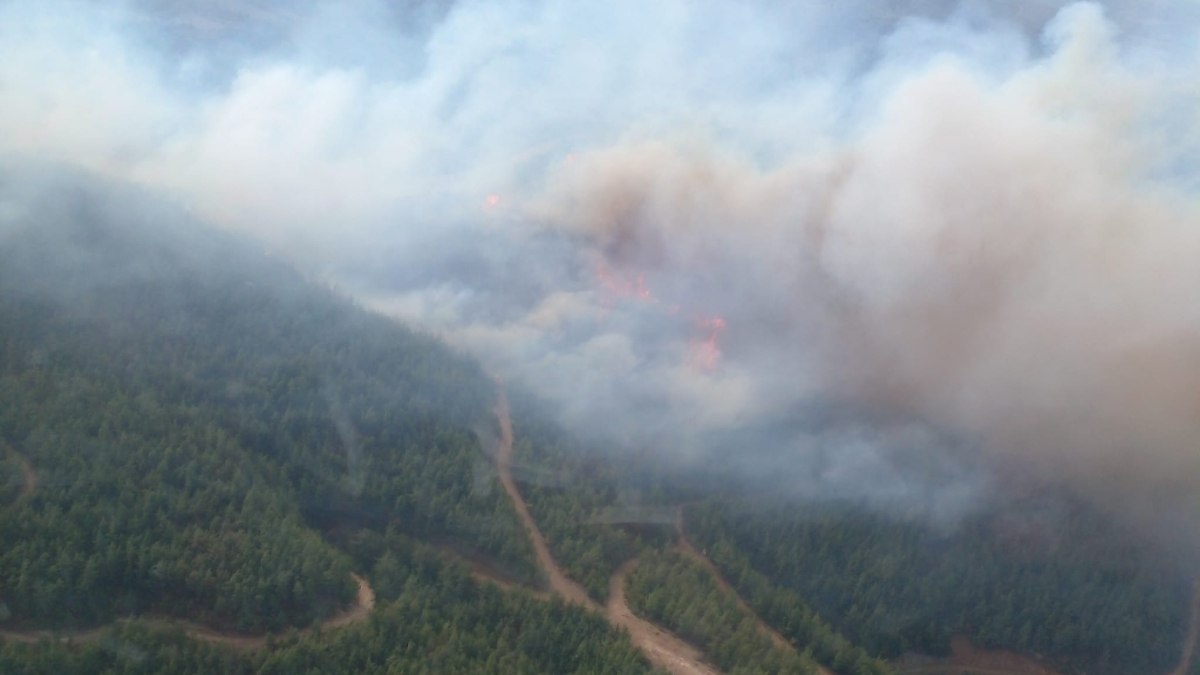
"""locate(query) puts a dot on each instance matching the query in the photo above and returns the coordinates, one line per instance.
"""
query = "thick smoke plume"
(905, 251)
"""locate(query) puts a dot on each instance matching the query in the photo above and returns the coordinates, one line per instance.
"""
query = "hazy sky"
(976, 221)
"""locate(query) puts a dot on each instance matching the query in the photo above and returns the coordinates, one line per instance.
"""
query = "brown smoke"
(996, 258)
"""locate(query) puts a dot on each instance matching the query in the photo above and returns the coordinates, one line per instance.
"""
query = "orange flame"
(618, 287)
(706, 354)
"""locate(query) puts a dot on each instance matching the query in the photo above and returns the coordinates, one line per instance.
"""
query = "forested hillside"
(679, 594)
(895, 586)
(571, 487)
(207, 458)
(432, 619)
(196, 413)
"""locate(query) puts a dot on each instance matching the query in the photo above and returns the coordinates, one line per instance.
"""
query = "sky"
(918, 252)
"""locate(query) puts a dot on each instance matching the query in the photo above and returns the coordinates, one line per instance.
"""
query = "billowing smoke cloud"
(902, 250)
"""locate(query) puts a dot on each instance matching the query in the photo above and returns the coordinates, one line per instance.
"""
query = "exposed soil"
(690, 551)
(1189, 643)
(662, 649)
(559, 583)
(965, 658)
(685, 546)
(483, 571)
(364, 603)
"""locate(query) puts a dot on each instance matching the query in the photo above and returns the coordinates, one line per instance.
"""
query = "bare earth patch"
(662, 649)
(966, 658)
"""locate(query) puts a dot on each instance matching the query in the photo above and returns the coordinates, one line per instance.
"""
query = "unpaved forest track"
(1193, 635)
(486, 573)
(685, 546)
(966, 659)
(364, 602)
(662, 649)
(559, 583)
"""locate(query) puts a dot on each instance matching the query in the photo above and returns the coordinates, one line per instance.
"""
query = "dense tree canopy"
(197, 412)
(899, 586)
(215, 438)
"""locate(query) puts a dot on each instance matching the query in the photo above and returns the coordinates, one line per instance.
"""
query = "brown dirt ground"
(966, 658)
(662, 649)
(685, 546)
(364, 603)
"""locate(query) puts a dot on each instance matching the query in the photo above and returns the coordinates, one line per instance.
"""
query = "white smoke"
(981, 220)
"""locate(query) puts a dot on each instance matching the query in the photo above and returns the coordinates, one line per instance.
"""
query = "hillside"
(193, 410)
(212, 463)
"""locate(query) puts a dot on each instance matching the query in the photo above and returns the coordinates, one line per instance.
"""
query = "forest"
(679, 594)
(895, 587)
(432, 618)
(196, 439)
(193, 415)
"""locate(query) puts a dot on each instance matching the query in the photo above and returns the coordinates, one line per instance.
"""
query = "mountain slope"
(197, 412)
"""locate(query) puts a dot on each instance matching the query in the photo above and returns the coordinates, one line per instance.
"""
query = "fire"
(619, 287)
(704, 353)
(491, 202)
(707, 353)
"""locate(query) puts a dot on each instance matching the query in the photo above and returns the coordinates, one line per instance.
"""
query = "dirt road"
(559, 583)
(1189, 643)
(364, 603)
(662, 649)
(690, 551)
(965, 658)
(484, 572)
(685, 546)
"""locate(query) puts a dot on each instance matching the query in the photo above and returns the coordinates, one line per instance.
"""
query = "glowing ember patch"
(618, 287)
(704, 354)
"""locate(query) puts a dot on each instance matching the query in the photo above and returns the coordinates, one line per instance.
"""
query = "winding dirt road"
(1193, 636)
(661, 648)
(690, 551)
(559, 583)
(363, 604)
(967, 659)
(685, 547)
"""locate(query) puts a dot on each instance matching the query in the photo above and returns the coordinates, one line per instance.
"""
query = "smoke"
(906, 251)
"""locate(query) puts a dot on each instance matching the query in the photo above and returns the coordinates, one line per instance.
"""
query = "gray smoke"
(970, 228)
